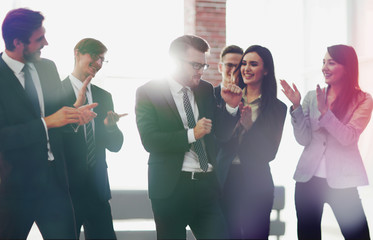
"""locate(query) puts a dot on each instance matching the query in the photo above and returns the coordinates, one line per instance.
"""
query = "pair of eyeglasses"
(230, 65)
(196, 65)
(97, 57)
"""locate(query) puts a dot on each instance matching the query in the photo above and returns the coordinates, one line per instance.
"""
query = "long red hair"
(346, 56)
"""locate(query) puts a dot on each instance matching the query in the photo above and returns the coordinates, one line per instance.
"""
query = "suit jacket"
(163, 134)
(23, 140)
(258, 147)
(338, 140)
(82, 178)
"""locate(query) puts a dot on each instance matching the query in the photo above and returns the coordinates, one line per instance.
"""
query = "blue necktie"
(90, 140)
(31, 90)
(203, 162)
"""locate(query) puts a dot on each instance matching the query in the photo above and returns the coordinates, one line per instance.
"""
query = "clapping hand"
(69, 115)
(321, 103)
(246, 116)
(80, 100)
(292, 94)
(112, 118)
(86, 113)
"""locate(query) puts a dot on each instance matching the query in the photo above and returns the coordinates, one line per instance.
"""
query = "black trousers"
(95, 216)
(310, 198)
(194, 203)
(247, 205)
(51, 210)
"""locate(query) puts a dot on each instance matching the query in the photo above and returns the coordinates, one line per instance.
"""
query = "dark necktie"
(203, 162)
(90, 140)
(31, 90)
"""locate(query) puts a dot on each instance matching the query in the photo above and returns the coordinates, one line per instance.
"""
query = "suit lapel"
(12, 84)
(69, 91)
(165, 89)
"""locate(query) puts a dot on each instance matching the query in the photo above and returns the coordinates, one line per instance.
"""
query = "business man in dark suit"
(230, 57)
(33, 182)
(85, 149)
(178, 122)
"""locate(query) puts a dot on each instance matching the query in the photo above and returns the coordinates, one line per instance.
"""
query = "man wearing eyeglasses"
(230, 57)
(179, 121)
(85, 146)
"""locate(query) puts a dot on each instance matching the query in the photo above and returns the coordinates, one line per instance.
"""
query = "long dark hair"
(269, 85)
(346, 56)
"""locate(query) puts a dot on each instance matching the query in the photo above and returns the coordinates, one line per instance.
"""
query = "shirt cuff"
(45, 127)
(50, 154)
(295, 114)
(231, 111)
(191, 138)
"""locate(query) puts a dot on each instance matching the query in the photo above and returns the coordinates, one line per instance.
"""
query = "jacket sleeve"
(300, 119)
(349, 133)
(158, 133)
(18, 136)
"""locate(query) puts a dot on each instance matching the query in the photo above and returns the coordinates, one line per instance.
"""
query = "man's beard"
(31, 57)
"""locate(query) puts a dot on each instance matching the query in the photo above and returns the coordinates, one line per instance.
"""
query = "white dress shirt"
(77, 85)
(191, 163)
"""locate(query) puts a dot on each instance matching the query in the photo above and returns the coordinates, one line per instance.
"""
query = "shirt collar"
(256, 101)
(175, 86)
(14, 65)
(77, 83)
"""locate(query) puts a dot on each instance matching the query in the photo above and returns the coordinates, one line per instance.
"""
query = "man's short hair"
(20, 24)
(91, 46)
(181, 44)
(230, 49)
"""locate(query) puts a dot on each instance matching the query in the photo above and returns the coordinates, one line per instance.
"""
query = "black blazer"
(23, 140)
(258, 147)
(163, 134)
(82, 179)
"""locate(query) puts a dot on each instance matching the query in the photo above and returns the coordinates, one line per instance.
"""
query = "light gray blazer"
(337, 139)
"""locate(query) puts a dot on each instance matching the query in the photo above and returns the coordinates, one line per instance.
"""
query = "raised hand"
(231, 93)
(292, 94)
(112, 118)
(246, 116)
(202, 128)
(321, 103)
(80, 100)
(86, 113)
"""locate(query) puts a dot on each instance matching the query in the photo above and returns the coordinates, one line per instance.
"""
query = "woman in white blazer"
(328, 124)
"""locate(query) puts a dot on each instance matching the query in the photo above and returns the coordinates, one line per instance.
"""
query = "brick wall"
(206, 18)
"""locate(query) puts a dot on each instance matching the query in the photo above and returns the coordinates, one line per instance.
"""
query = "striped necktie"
(90, 141)
(203, 162)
